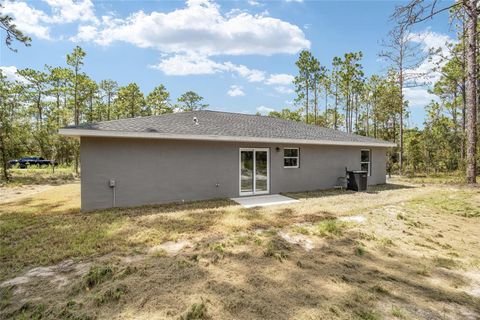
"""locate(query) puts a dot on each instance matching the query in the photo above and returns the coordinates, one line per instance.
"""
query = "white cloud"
(85, 33)
(29, 20)
(264, 110)
(283, 90)
(183, 65)
(280, 79)
(252, 75)
(201, 28)
(194, 64)
(38, 23)
(10, 72)
(68, 11)
(294, 1)
(282, 82)
(430, 40)
(425, 74)
(254, 3)
(235, 91)
(418, 96)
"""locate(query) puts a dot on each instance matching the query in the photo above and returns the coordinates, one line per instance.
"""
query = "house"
(208, 154)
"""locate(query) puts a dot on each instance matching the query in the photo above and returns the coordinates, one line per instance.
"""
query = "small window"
(366, 161)
(291, 158)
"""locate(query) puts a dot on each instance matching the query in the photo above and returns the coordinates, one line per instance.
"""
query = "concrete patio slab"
(262, 201)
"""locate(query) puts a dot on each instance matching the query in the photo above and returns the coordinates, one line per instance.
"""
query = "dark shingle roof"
(223, 124)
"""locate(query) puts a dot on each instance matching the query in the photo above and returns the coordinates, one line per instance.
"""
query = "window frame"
(369, 162)
(297, 157)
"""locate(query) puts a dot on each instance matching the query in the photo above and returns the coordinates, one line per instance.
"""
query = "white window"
(291, 157)
(366, 161)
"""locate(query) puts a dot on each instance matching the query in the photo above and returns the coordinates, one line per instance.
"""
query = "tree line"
(33, 108)
(339, 95)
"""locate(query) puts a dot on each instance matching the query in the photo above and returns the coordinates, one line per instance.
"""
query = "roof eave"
(155, 135)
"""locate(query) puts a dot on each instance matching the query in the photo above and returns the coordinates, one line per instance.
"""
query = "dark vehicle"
(31, 161)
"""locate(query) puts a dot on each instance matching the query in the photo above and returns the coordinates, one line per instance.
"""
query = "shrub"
(330, 227)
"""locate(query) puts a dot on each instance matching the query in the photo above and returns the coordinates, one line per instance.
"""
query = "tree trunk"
(77, 116)
(367, 124)
(356, 113)
(471, 89)
(75, 99)
(335, 120)
(306, 101)
(57, 116)
(64, 106)
(326, 106)
(108, 106)
(347, 114)
(464, 95)
(4, 158)
(400, 151)
(39, 108)
(315, 102)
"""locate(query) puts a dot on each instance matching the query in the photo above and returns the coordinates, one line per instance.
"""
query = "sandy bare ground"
(8, 194)
(398, 252)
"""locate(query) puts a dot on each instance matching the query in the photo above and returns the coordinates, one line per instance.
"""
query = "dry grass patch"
(39, 176)
(409, 260)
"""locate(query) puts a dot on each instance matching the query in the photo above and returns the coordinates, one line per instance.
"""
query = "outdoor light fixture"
(277, 149)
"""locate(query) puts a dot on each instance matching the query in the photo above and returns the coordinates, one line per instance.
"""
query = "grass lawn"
(405, 250)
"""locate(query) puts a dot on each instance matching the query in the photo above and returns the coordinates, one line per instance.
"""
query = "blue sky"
(239, 55)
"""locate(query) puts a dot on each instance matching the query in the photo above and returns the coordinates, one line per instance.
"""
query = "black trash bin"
(357, 180)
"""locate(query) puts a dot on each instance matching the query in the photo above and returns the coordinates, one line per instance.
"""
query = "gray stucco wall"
(149, 171)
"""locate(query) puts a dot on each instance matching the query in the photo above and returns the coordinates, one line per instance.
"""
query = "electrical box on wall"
(111, 183)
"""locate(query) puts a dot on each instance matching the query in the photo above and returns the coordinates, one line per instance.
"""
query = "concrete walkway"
(262, 201)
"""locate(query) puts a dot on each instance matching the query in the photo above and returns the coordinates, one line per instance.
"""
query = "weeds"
(446, 263)
(384, 242)
(97, 275)
(218, 248)
(423, 271)
(463, 203)
(397, 312)
(360, 250)
(37, 175)
(257, 241)
(378, 290)
(110, 295)
(127, 271)
(362, 305)
(330, 228)
(248, 278)
(301, 230)
(198, 311)
(241, 240)
(6, 294)
(31, 311)
(277, 248)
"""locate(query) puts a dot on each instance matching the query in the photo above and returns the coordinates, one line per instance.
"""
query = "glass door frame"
(254, 192)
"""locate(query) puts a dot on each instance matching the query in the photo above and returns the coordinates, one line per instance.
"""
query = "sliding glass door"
(254, 171)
